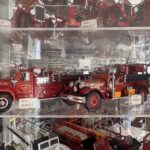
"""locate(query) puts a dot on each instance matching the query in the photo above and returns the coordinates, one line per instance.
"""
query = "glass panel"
(99, 133)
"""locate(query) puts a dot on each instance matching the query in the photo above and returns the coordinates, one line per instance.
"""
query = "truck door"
(24, 86)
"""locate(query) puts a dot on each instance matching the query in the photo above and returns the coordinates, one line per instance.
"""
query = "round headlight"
(71, 84)
(81, 85)
(32, 11)
(47, 16)
(20, 5)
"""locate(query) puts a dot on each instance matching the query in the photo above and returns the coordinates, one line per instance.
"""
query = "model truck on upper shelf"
(88, 13)
(32, 83)
(110, 82)
(34, 14)
(110, 13)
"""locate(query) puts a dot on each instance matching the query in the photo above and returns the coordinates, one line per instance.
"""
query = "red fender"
(9, 91)
(87, 90)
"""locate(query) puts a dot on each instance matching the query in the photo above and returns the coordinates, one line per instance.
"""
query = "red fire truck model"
(110, 82)
(34, 14)
(31, 83)
(30, 136)
(126, 133)
(110, 13)
(80, 138)
(78, 135)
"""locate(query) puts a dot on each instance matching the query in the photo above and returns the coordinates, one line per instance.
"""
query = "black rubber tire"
(107, 16)
(93, 101)
(7, 100)
(143, 91)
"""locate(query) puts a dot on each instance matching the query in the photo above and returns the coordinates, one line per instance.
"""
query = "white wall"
(3, 9)
(11, 8)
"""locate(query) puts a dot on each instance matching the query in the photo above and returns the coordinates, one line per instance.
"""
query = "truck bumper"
(76, 99)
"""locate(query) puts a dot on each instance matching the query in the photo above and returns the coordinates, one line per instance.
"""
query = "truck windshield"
(26, 76)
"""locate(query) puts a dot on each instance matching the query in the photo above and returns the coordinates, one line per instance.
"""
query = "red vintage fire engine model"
(34, 14)
(126, 133)
(80, 138)
(79, 135)
(31, 83)
(110, 82)
(111, 14)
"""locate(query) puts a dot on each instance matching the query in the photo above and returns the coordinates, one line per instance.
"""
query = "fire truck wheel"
(93, 101)
(5, 102)
(110, 18)
(143, 93)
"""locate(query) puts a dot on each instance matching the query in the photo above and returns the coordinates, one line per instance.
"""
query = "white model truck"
(31, 137)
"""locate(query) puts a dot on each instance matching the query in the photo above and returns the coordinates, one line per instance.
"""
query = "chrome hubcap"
(3, 102)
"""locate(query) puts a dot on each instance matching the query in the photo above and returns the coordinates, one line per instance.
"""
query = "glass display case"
(75, 75)
(75, 133)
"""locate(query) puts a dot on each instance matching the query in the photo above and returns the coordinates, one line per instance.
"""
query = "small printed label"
(29, 103)
(5, 24)
(92, 23)
(135, 99)
(42, 80)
